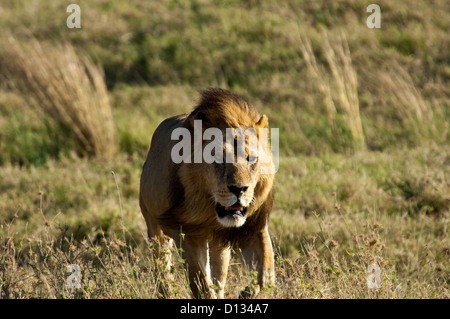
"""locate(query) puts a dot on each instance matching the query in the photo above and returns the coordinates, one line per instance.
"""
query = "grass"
(323, 242)
(63, 86)
(343, 97)
(364, 129)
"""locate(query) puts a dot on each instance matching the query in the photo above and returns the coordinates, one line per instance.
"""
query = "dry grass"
(340, 90)
(67, 87)
(323, 242)
(109, 268)
(328, 264)
(422, 118)
(36, 266)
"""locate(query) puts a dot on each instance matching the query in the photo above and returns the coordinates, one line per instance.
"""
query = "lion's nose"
(237, 189)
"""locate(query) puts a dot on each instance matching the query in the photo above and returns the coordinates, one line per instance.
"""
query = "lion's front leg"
(196, 252)
(258, 254)
(220, 260)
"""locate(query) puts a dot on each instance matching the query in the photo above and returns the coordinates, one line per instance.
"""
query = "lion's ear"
(263, 122)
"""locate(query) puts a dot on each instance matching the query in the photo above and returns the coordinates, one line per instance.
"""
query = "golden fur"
(190, 197)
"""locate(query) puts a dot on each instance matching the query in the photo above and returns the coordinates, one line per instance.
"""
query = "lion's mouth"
(235, 209)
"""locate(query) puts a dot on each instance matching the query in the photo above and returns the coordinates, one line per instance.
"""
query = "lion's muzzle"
(231, 216)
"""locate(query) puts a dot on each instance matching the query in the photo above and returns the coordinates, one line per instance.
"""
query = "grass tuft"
(340, 90)
(64, 85)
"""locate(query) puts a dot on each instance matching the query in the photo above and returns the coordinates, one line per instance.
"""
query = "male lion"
(215, 205)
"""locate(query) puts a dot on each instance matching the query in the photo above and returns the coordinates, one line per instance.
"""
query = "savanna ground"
(364, 139)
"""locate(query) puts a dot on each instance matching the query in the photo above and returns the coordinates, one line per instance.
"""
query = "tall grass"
(424, 120)
(64, 85)
(340, 90)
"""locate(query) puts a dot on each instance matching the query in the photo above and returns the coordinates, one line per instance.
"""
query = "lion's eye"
(251, 158)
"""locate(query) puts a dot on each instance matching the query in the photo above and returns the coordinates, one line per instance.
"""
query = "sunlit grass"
(364, 127)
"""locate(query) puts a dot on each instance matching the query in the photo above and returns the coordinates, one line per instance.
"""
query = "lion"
(215, 206)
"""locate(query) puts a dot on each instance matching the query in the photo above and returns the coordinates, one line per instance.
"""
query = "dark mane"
(221, 108)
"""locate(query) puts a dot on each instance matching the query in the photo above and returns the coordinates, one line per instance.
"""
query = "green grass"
(340, 206)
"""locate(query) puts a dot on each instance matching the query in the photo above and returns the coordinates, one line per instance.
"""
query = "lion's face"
(234, 184)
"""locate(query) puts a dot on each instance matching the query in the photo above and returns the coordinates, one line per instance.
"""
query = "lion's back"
(156, 173)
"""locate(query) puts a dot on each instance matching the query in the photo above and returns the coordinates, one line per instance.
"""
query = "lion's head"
(233, 175)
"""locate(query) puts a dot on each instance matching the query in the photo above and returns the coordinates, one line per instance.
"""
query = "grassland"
(364, 140)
